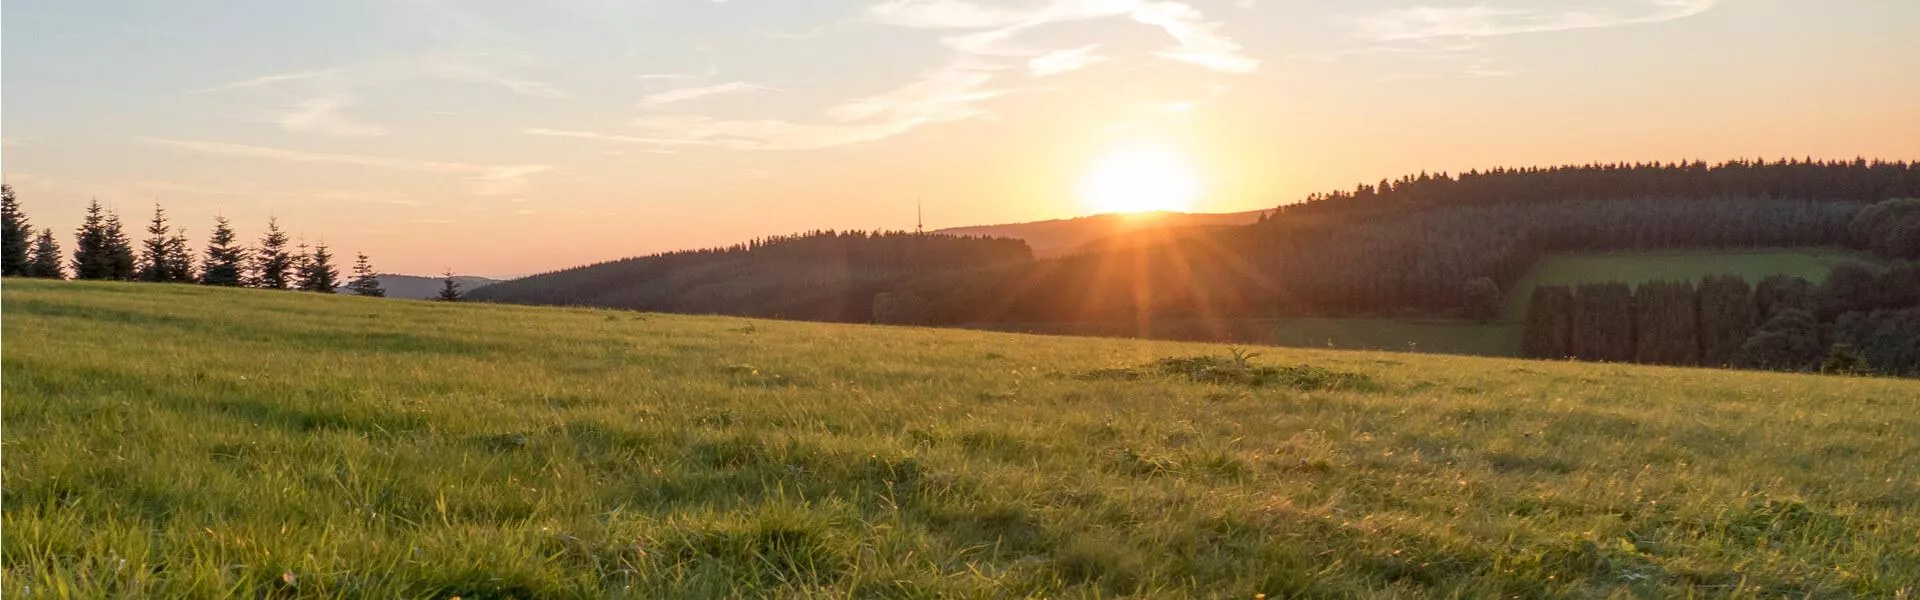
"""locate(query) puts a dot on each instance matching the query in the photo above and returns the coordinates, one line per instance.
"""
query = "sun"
(1140, 178)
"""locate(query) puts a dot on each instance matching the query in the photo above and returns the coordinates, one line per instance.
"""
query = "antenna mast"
(919, 216)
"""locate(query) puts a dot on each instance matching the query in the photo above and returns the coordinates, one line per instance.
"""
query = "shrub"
(1790, 341)
(1482, 298)
(1780, 293)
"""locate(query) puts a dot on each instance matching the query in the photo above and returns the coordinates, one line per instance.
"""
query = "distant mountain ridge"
(1060, 237)
(419, 287)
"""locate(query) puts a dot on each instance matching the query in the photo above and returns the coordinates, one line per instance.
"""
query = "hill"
(185, 441)
(425, 288)
(1065, 236)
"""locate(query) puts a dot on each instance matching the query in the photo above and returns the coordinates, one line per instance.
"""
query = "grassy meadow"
(1634, 268)
(180, 441)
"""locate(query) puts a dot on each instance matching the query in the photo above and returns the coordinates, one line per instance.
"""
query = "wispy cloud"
(486, 179)
(269, 80)
(321, 116)
(1062, 61)
(466, 69)
(1480, 20)
(1199, 41)
(361, 196)
(685, 94)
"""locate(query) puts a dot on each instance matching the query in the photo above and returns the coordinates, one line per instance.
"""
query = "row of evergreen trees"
(1861, 318)
(103, 251)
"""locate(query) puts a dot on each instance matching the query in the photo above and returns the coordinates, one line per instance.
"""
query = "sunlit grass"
(191, 442)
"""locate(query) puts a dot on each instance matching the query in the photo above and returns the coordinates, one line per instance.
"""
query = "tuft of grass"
(182, 441)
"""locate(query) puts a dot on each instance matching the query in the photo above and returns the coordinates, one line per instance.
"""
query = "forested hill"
(821, 275)
(1406, 246)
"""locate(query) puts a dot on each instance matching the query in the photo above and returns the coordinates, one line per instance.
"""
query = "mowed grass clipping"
(181, 441)
(1634, 268)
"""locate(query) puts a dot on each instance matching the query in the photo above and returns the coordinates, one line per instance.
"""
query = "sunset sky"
(508, 137)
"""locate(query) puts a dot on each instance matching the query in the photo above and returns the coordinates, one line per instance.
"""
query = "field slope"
(191, 442)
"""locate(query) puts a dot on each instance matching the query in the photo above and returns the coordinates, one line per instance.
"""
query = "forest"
(1410, 246)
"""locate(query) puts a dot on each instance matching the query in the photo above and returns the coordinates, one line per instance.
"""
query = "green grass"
(1680, 265)
(179, 441)
(1446, 336)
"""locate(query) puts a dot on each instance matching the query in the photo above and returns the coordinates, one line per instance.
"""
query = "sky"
(510, 137)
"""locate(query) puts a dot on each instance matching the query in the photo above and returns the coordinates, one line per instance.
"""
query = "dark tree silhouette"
(272, 264)
(320, 275)
(450, 290)
(1603, 322)
(164, 257)
(101, 249)
(1549, 329)
(15, 234)
(1779, 293)
(46, 262)
(1726, 317)
(1890, 228)
(365, 281)
(1664, 322)
(1790, 341)
(225, 262)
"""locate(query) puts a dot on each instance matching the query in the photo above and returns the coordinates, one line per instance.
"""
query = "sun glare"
(1140, 179)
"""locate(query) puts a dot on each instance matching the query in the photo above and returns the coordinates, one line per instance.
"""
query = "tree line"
(1413, 247)
(103, 250)
(1861, 319)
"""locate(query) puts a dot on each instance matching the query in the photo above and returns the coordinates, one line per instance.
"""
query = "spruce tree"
(15, 234)
(1726, 316)
(1549, 330)
(163, 256)
(101, 249)
(365, 281)
(302, 259)
(46, 263)
(320, 275)
(272, 265)
(450, 291)
(225, 262)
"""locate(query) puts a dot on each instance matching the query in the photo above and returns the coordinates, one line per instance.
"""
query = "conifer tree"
(320, 275)
(297, 265)
(164, 256)
(225, 262)
(1726, 317)
(101, 249)
(46, 263)
(450, 291)
(272, 265)
(365, 281)
(1549, 331)
(15, 234)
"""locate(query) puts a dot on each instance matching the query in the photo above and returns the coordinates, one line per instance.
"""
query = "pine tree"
(1726, 316)
(101, 249)
(271, 262)
(225, 263)
(365, 281)
(15, 233)
(46, 263)
(119, 249)
(1549, 331)
(1665, 324)
(320, 275)
(450, 292)
(297, 265)
(164, 257)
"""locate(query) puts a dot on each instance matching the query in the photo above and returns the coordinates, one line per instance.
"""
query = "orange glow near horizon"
(1140, 178)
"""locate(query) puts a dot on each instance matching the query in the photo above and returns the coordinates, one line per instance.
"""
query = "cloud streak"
(485, 179)
(685, 94)
(266, 80)
(1062, 61)
(466, 70)
(1428, 22)
(321, 116)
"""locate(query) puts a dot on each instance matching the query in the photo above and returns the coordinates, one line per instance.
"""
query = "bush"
(1725, 318)
(1664, 324)
(1603, 322)
(1849, 287)
(1482, 298)
(1549, 331)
